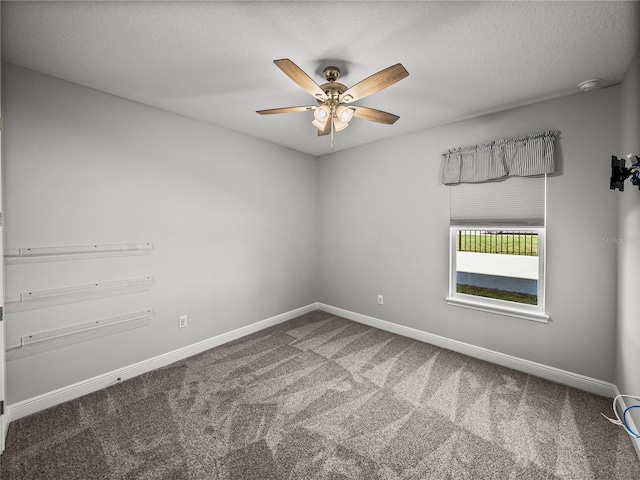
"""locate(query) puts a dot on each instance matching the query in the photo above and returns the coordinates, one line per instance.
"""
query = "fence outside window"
(498, 241)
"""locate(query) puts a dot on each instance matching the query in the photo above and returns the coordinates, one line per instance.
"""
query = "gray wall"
(628, 351)
(384, 220)
(232, 220)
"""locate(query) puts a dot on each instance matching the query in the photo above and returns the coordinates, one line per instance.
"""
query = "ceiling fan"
(334, 109)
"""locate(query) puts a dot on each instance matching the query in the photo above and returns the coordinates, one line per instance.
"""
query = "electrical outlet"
(380, 299)
(183, 321)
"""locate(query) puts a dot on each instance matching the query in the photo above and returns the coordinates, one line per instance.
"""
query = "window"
(499, 269)
(497, 247)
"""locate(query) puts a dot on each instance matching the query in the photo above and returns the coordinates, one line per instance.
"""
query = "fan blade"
(374, 115)
(296, 74)
(285, 110)
(326, 130)
(374, 83)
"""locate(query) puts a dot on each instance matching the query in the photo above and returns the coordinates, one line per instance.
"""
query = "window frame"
(493, 305)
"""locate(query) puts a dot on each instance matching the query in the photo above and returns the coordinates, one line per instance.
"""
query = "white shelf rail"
(92, 288)
(78, 250)
(84, 327)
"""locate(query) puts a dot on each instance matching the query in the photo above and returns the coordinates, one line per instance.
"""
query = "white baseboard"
(32, 405)
(553, 374)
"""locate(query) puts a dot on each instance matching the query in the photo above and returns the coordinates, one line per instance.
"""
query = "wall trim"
(553, 374)
(35, 404)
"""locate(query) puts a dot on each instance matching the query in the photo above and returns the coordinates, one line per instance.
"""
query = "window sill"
(500, 310)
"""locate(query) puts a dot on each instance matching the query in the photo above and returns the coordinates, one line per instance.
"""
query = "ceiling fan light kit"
(333, 112)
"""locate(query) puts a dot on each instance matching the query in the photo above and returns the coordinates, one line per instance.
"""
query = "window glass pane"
(499, 264)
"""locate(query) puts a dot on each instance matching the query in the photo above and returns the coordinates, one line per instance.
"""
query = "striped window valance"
(516, 157)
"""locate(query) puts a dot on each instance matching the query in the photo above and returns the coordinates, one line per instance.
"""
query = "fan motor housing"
(332, 89)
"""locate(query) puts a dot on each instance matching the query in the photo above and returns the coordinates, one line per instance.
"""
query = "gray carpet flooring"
(321, 397)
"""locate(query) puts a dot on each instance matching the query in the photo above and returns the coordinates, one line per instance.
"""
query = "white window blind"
(514, 201)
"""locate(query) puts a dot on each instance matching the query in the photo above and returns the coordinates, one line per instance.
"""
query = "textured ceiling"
(213, 61)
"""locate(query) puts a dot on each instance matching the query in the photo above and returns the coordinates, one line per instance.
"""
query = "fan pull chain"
(331, 120)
